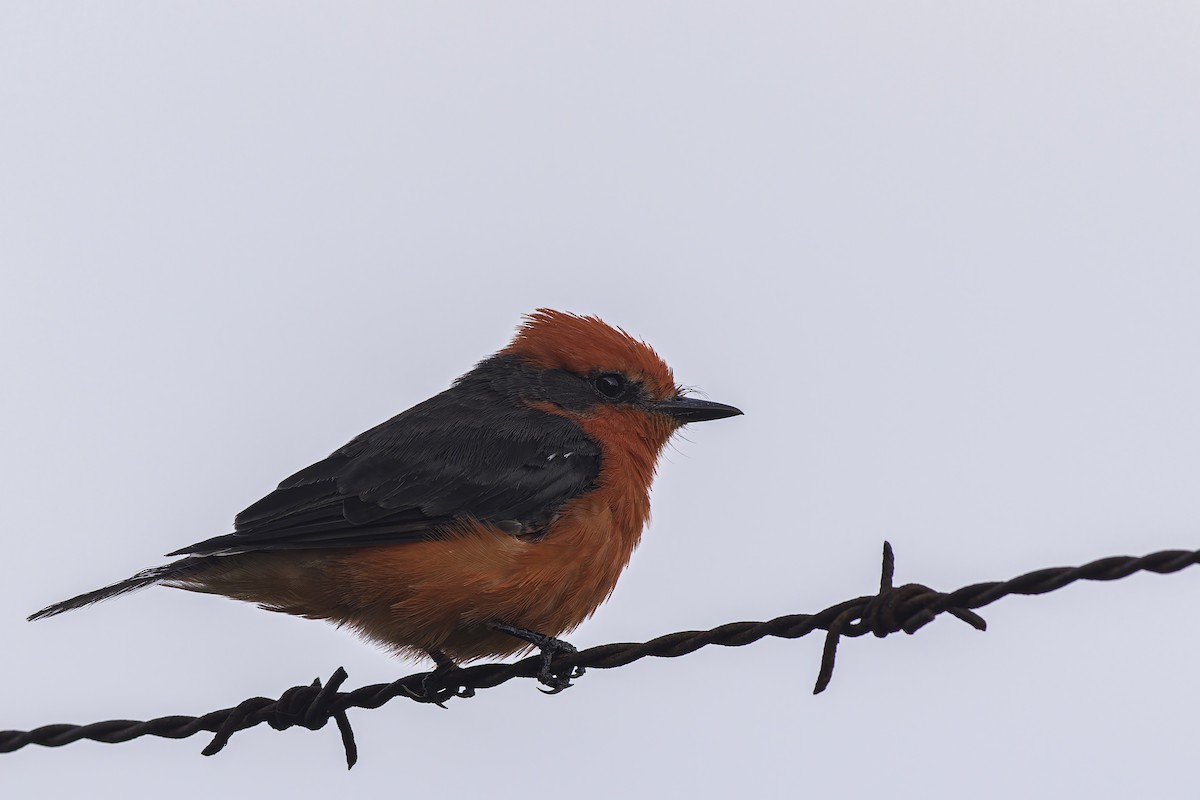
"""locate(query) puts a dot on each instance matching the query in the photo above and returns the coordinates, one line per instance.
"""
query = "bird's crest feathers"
(585, 345)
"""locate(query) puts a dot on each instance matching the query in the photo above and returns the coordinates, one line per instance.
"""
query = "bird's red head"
(587, 346)
(618, 390)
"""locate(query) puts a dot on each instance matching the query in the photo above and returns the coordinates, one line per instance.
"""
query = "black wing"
(465, 453)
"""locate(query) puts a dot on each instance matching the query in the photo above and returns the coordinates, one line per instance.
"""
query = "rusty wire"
(891, 610)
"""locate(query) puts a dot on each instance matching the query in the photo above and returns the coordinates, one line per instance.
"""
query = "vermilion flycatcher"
(491, 517)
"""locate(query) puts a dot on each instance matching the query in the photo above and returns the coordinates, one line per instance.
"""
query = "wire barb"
(905, 608)
(309, 707)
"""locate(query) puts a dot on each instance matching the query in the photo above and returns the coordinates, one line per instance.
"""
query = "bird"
(486, 521)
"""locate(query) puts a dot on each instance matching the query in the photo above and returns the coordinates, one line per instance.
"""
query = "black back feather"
(475, 451)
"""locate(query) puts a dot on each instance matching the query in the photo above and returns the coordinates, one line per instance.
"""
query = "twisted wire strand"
(892, 609)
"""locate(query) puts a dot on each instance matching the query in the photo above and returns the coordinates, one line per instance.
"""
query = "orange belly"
(441, 594)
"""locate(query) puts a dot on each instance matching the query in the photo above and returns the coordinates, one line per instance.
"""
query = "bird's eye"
(610, 385)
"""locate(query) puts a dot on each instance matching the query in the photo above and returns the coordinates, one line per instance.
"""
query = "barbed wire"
(892, 609)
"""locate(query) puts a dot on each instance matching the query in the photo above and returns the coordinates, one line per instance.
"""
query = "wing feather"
(468, 452)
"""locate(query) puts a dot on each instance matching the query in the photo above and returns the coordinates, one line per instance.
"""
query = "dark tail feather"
(147, 577)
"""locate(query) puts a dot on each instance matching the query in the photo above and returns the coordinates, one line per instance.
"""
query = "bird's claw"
(546, 675)
(436, 689)
(550, 647)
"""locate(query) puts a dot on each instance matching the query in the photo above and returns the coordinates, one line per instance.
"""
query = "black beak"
(689, 409)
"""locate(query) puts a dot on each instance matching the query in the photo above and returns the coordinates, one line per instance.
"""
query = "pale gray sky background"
(944, 255)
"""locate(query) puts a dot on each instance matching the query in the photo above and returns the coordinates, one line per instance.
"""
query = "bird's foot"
(550, 648)
(435, 688)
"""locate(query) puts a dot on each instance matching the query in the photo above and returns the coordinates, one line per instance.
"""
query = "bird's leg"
(444, 662)
(550, 647)
(431, 692)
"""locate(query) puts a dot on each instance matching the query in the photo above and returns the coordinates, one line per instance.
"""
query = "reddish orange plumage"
(544, 571)
(578, 344)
